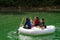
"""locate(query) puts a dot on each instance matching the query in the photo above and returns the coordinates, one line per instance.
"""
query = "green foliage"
(7, 3)
(28, 3)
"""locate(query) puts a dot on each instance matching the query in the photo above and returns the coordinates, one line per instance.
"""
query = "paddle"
(20, 24)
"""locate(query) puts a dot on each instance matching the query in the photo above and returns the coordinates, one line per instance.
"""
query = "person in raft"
(36, 21)
(28, 23)
(42, 23)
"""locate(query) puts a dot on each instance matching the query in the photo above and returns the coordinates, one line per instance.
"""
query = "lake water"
(9, 24)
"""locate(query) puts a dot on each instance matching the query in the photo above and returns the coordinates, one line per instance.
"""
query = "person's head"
(42, 20)
(36, 18)
(27, 19)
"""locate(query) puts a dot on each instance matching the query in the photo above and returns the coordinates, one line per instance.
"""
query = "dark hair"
(27, 19)
(42, 19)
(37, 18)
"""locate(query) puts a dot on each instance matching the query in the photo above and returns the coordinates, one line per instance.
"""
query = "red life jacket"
(36, 22)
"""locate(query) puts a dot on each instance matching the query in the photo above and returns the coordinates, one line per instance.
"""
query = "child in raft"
(42, 23)
(36, 21)
(27, 22)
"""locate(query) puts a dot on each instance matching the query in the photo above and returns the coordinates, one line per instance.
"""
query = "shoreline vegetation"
(31, 9)
(29, 5)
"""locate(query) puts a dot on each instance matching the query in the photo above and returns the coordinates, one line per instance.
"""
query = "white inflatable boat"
(37, 31)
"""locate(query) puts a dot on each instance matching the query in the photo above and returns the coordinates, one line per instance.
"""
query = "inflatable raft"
(37, 31)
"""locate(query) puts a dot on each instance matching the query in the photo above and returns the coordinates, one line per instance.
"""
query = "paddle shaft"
(20, 24)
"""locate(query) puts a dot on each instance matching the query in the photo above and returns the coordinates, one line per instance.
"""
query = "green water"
(9, 24)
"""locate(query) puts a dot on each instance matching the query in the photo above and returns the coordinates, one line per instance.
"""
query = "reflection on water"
(55, 36)
(13, 36)
(48, 37)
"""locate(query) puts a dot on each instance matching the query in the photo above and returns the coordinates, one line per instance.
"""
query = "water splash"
(12, 35)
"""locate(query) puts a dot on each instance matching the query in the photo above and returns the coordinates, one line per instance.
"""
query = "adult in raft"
(28, 23)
